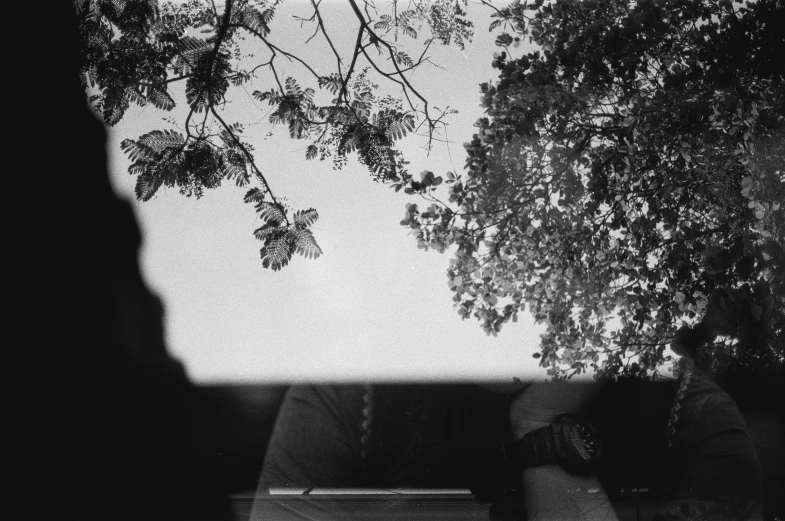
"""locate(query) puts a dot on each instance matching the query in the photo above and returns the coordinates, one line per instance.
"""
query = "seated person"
(382, 436)
(694, 445)
(683, 441)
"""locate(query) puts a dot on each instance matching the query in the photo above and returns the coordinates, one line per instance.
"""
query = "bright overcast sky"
(373, 306)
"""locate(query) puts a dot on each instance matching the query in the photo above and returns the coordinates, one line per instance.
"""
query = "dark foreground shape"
(105, 425)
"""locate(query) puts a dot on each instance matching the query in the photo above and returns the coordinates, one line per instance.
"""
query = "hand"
(541, 403)
(551, 492)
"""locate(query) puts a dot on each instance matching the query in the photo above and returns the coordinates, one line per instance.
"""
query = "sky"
(373, 307)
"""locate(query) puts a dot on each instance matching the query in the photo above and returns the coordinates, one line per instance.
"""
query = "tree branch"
(274, 48)
(250, 159)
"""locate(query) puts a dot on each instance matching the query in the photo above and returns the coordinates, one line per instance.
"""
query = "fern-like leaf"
(159, 141)
(266, 231)
(158, 158)
(403, 59)
(348, 143)
(136, 151)
(240, 78)
(207, 84)
(270, 212)
(191, 46)
(159, 98)
(114, 104)
(394, 124)
(268, 14)
(188, 51)
(384, 23)
(146, 186)
(137, 97)
(233, 166)
(276, 252)
(292, 88)
(297, 127)
(407, 16)
(332, 83)
(305, 218)
(254, 19)
(272, 96)
(150, 147)
(305, 244)
(254, 195)
(306, 100)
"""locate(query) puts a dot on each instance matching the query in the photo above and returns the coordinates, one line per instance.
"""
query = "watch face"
(585, 440)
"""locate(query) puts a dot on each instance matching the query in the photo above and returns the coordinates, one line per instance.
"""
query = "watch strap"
(571, 442)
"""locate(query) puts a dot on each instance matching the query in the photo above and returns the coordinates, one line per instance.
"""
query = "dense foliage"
(628, 179)
(134, 50)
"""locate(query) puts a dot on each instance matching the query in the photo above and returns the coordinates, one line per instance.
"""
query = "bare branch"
(250, 158)
(273, 48)
(364, 27)
(355, 53)
(327, 36)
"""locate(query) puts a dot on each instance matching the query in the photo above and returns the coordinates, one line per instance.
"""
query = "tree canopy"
(628, 179)
(133, 52)
(626, 184)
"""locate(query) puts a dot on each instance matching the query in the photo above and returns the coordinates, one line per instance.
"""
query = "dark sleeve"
(723, 461)
(316, 441)
(723, 475)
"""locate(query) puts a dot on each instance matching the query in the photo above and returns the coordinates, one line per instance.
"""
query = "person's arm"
(723, 461)
(551, 492)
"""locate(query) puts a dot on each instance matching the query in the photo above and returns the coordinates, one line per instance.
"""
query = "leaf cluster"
(369, 125)
(165, 158)
(446, 19)
(282, 237)
(613, 163)
(133, 51)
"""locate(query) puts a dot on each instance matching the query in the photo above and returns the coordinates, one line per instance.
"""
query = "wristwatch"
(570, 441)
